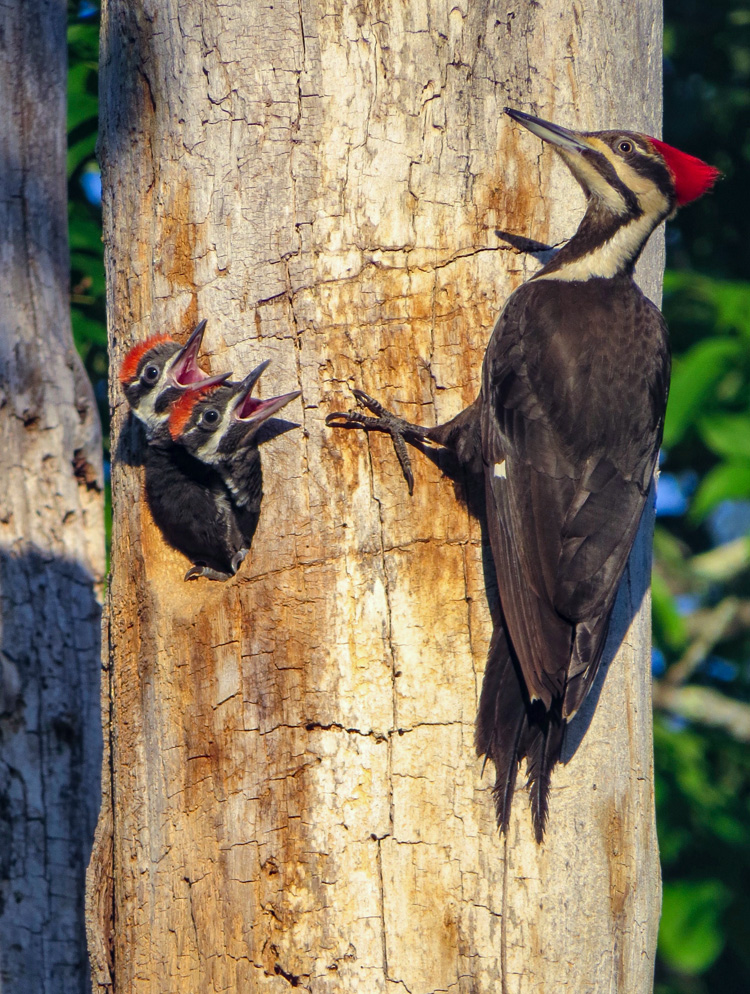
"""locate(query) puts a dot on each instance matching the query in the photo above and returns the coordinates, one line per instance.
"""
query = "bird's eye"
(150, 374)
(625, 147)
(210, 416)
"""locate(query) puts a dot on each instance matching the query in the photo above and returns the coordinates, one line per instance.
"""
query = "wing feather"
(573, 399)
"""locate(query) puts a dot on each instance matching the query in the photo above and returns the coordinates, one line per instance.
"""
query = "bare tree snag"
(296, 796)
(51, 531)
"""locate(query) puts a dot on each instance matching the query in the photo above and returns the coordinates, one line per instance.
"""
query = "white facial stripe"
(650, 198)
(146, 406)
(209, 450)
(596, 183)
(608, 259)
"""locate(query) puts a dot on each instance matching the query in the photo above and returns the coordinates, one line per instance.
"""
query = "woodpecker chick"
(194, 512)
(565, 431)
(219, 425)
(154, 373)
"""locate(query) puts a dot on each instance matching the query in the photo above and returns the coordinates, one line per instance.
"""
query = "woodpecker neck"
(605, 245)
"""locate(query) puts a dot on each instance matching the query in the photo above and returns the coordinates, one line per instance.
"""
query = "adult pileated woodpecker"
(566, 431)
(155, 372)
(218, 425)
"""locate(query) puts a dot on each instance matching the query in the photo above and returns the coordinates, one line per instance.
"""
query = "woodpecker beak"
(570, 141)
(588, 159)
(212, 381)
(185, 369)
(252, 378)
(253, 411)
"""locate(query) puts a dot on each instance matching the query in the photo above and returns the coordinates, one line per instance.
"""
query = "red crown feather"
(130, 363)
(182, 408)
(692, 177)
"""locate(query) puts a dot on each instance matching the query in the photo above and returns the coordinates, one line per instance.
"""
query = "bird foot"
(385, 421)
(200, 569)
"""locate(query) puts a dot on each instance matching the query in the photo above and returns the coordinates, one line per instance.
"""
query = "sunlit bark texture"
(51, 531)
(296, 796)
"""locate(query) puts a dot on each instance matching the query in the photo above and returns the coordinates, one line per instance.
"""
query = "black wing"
(574, 391)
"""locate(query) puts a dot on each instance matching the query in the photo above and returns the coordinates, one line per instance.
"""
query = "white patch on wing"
(500, 470)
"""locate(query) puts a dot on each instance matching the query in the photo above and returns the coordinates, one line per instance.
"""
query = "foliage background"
(701, 584)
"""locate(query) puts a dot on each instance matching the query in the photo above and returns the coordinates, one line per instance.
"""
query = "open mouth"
(250, 409)
(185, 369)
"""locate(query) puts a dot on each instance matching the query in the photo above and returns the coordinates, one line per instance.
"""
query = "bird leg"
(401, 431)
(201, 569)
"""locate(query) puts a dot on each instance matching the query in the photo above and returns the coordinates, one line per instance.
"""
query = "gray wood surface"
(51, 531)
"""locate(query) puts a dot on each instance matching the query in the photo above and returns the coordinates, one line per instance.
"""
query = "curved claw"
(384, 421)
(238, 558)
(353, 419)
(369, 402)
(399, 444)
(200, 569)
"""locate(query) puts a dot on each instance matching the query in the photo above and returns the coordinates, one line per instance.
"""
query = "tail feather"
(542, 745)
(509, 727)
(501, 720)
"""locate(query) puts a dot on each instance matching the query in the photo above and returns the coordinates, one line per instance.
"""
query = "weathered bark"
(297, 798)
(51, 530)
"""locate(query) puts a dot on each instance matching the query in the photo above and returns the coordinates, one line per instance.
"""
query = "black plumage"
(188, 500)
(218, 426)
(574, 390)
(194, 512)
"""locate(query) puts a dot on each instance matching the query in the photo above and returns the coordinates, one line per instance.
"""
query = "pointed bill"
(184, 369)
(572, 141)
(252, 411)
(251, 379)
(208, 381)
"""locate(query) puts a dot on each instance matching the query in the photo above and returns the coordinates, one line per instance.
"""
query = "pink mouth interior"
(250, 406)
(187, 370)
(191, 374)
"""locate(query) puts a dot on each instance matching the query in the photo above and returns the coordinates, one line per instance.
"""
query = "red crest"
(133, 358)
(182, 408)
(692, 177)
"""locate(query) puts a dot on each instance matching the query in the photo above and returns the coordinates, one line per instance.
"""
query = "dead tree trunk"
(51, 531)
(297, 798)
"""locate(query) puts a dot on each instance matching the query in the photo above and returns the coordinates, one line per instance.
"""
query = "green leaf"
(83, 42)
(83, 102)
(724, 562)
(694, 378)
(728, 300)
(669, 626)
(690, 933)
(89, 267)
(85, 231)
(87, 331)
(80, 152)
(727, 481)
(727, 435)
